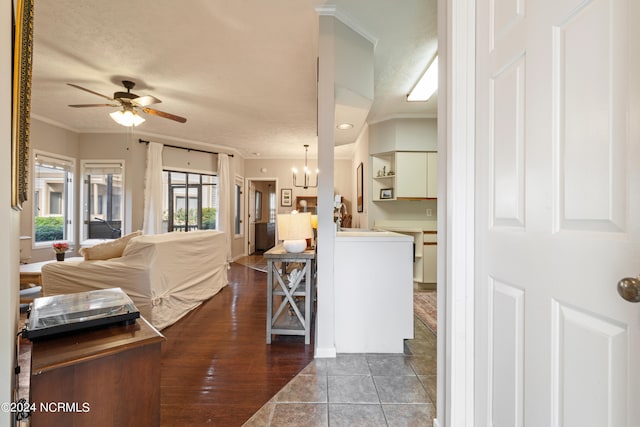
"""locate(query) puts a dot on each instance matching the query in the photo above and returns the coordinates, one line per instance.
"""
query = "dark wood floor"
(216, 366)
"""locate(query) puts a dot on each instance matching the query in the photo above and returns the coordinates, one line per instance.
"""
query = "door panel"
(507, 353)
(589, 368)
(589, 123)
(558, 213)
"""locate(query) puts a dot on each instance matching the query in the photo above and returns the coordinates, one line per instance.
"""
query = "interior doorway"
(260, 215)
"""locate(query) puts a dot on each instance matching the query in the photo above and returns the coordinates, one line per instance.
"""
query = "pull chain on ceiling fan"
(128, 115)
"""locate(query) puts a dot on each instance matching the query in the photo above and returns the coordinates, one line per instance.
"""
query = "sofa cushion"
(108, 250)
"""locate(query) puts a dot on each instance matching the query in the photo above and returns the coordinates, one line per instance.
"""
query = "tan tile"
(414, 415)
(300, 414)
(304, 388)
(346, 415)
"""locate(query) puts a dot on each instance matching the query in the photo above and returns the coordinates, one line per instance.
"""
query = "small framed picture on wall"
(286, 197)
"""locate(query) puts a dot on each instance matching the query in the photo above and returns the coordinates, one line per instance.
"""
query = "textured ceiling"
(242, 72)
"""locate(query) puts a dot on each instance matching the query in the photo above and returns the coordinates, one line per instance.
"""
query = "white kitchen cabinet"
(425, 243)
(411, 175)
(432, 175)
(404, 175)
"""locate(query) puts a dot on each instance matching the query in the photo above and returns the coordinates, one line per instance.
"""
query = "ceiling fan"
(128, 116)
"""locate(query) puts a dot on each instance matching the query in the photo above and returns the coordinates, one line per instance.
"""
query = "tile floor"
(360, 390)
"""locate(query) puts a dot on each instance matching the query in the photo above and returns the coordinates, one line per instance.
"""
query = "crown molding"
(54, 123)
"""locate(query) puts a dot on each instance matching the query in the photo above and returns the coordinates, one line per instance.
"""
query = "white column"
(325, 320)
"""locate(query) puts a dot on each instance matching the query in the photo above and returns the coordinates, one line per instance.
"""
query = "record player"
(58, 314)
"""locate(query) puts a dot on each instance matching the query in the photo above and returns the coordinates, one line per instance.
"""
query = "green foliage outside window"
(49, 228)
(208, 218)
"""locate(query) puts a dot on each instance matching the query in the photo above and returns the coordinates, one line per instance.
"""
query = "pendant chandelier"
(306, 173)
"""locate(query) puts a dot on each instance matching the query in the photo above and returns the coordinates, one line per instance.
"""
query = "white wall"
(280, 170)
(400, 135)
(9, 232)
(403, 135)
(120, 146)
(361, 154)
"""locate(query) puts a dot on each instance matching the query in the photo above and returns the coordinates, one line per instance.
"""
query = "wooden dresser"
(102, 377)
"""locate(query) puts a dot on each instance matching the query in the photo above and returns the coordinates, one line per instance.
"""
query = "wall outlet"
(429, 212)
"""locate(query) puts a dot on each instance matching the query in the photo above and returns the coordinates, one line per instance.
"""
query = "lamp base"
(295, 246)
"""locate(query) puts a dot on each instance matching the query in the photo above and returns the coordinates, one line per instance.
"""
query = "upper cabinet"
(404, 159)
(411, 175)
(404, 175)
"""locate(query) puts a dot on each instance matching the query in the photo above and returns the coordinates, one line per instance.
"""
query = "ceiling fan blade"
(163, 114)
(90, 91)
(143, 101)
(93, 105)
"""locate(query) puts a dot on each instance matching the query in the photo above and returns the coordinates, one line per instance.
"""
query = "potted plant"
(60, 249)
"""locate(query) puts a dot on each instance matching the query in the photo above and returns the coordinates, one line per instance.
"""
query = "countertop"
(371, 235)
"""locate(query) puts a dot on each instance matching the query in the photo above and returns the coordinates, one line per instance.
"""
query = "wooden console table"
(293, 294)
(106, 376)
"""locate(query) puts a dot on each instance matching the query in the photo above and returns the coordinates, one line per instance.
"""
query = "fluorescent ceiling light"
(126, 118)
(427, 85)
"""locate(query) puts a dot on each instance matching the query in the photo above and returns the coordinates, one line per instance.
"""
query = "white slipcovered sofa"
(166, 275)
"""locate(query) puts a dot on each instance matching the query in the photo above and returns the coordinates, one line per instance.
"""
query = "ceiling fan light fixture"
(127, 118)
(427, 85)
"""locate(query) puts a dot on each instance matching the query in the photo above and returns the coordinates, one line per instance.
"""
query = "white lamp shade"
(126, 118)
(294, 227)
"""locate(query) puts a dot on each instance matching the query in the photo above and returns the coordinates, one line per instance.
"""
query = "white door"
(558, 213)
(251, 216)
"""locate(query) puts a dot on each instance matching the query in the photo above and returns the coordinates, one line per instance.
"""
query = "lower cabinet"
(429, 257)
(425, 247)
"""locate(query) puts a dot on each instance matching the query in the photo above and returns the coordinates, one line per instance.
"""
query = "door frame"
(456, 140)
(247, 183)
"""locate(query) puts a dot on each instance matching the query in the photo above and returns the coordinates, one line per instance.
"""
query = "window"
(190, 201)
(52, 198)
(272, 206)
(102, 199)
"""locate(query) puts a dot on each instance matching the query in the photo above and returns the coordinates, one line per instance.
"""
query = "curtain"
(225, 207)
(152, 223)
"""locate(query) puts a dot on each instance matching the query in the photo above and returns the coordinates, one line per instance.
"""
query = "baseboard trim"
(325, 352)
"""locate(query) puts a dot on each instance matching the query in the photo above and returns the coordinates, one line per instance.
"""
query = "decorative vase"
(60, 256)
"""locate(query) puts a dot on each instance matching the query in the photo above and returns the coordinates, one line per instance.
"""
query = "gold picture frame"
(21, 97)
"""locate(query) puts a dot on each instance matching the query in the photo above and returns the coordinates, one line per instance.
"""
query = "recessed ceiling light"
(344, 126)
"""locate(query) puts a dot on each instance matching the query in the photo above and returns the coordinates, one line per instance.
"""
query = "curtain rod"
(142, 141)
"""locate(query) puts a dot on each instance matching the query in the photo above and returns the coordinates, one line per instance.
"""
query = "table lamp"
(294, 229)
(314, 225)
